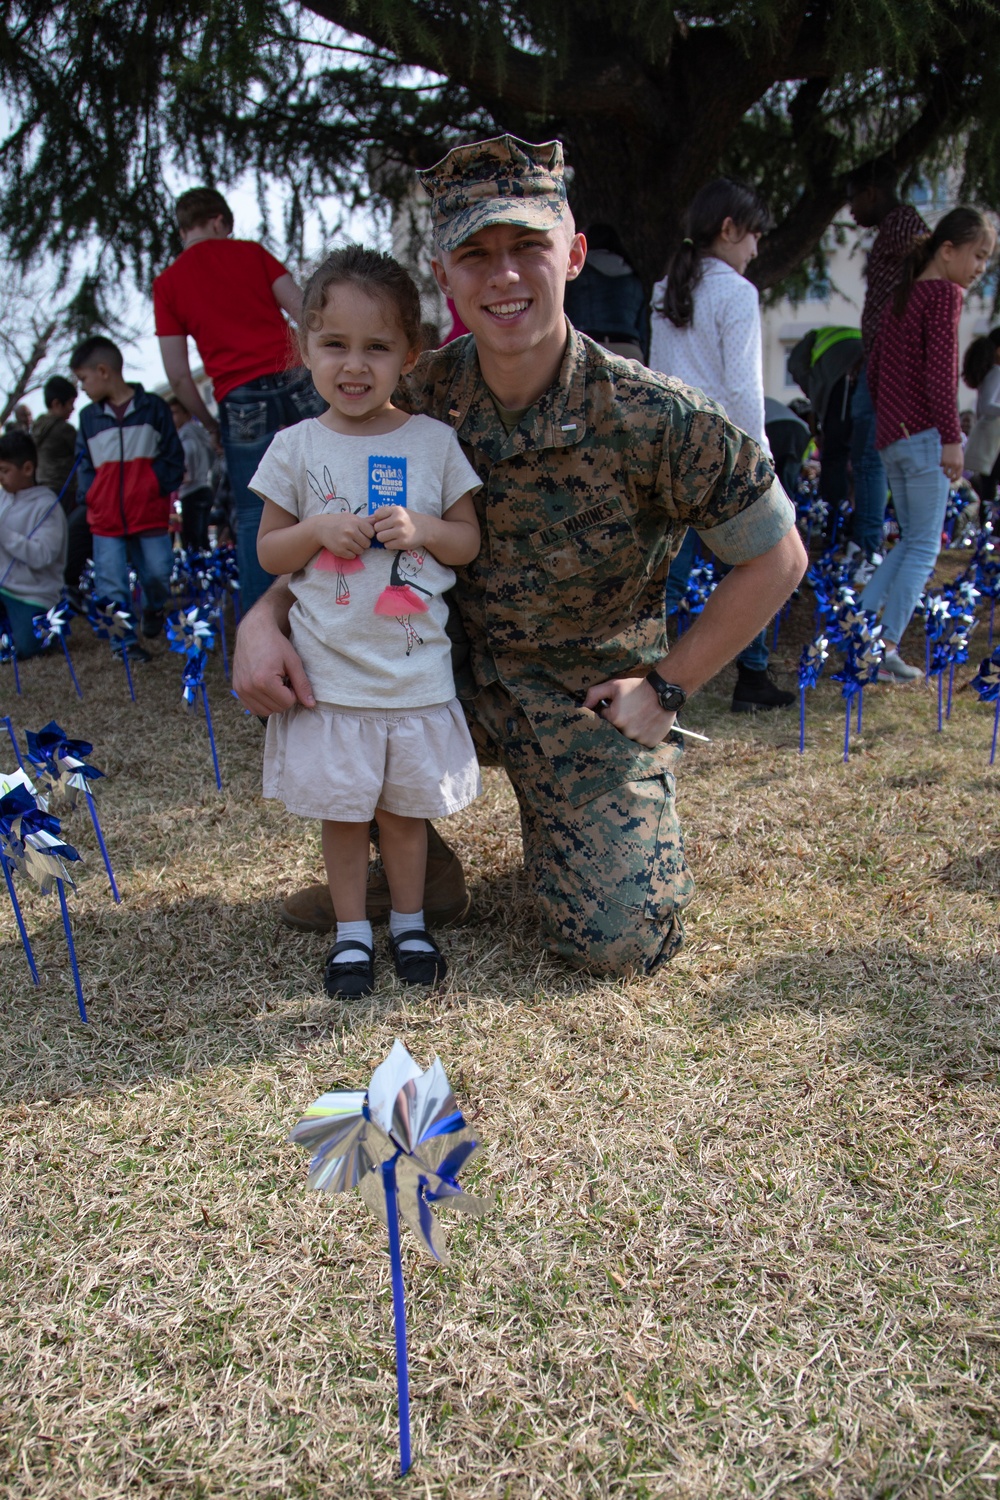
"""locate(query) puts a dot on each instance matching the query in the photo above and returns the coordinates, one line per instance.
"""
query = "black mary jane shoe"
(416, 966)
(349, 980)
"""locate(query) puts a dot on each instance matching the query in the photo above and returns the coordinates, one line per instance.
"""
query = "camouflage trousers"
(610, 877)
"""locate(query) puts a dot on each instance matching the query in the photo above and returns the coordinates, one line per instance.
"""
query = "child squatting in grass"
(369, 509)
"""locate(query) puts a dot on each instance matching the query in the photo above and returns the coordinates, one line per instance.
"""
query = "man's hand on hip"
(630, 704)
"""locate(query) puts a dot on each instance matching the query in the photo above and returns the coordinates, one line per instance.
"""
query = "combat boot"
(446, 899)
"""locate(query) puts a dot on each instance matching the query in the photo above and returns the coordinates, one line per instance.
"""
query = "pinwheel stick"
(847, 733)
(13, 739)
(211, 736)
(951, 684)
(128, 672)
(81, 1003)
(62, 642)
(17, 675)
(802, 720)
(398, 1313)
(92, 808)
(940, 678)
(861, 694)
(222, 638)
(19, 919)
(996, 726)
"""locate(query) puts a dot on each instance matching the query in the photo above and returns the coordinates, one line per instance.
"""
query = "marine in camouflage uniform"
(582, 506)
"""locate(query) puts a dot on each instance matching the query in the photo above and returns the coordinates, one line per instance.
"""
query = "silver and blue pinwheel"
(54, 626)
(987, 685)
(402, 1142)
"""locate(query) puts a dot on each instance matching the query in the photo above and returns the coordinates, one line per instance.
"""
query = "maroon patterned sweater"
(913, 366)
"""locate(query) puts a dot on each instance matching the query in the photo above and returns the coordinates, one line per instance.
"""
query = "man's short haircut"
(199, 206)
(880, 174)
(18, 448)
(97, 350)
(58, 388)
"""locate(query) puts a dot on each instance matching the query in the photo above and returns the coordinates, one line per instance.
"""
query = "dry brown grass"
(746, 1234)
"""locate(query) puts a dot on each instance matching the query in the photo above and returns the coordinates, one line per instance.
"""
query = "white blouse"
(720, 351)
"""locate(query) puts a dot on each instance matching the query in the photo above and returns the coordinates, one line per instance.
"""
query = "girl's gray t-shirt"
(371, 631)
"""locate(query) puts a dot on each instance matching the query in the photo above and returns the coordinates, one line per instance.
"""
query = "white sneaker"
(863, 573)
(894, 669)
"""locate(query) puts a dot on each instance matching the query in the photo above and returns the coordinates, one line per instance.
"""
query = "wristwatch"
(669, 695)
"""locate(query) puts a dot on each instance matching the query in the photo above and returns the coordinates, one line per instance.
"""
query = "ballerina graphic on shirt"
(402, 597)
(327, 561)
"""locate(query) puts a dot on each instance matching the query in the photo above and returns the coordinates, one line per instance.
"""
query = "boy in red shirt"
(231, 297)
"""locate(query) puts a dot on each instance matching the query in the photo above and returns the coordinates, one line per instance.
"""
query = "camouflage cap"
(501, 181)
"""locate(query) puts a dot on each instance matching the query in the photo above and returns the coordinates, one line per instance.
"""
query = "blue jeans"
(21, 617)
(919, 495)
(870, 488)
(249, 416)
(755, 656)
(150, 554)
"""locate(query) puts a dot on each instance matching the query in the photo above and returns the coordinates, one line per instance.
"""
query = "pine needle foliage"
(651, 99)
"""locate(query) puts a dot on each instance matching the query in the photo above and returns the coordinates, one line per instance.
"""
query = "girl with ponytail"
(705, 329)
(913, 375)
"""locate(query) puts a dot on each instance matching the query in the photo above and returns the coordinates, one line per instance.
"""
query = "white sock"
(358, 932)
(410, 921)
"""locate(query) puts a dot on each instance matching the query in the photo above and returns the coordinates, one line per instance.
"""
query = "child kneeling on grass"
(32, 542)
(369, 509)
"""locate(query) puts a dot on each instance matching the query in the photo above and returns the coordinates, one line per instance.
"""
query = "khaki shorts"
(340, 764)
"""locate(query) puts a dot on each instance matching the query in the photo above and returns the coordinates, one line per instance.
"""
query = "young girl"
(913, 375)
(369, 509)
(705, 329)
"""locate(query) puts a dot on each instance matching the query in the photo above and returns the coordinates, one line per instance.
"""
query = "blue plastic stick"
(802, 720)
(25, 943)
(996, 726)
(13, 740)
(398, 1313)
(81, 1004)
(17, 675)
(222, 637)
(847, 732)
(128, 672)
(940, 678)
(62, 642)
(951, 684)
(211, 736)
(100, 840)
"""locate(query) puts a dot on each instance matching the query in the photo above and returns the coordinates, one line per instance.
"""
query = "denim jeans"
(150, 554)
(919, 495)
(870, 488)
(755, 656)
(21, 617)
(249, 416)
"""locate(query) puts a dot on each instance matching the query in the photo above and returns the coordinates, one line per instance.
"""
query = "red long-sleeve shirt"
(913, 366)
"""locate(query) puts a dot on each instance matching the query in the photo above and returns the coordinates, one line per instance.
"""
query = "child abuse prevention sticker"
(386, 483)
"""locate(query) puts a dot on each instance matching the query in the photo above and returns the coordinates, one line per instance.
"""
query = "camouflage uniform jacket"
(582, 507)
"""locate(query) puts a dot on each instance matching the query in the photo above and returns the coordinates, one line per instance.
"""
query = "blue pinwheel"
(31, 844)
(987, 685)
(54, 626)
(113, 622)
(402, 1142)
(67, 772)
(191, 633)
(811, 661)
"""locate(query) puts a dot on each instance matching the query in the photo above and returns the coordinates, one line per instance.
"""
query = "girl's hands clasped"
(397, 528)
(343, 534)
